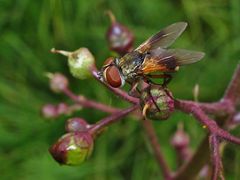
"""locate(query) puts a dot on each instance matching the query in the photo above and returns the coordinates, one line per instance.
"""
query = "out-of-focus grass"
(29, 29)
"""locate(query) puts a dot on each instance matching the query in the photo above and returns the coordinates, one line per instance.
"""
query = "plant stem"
(221, 108)
(89, 103)
(191, 168)
(112, 119)
(216, 160)
(233, 91)
(212, 126)
(111, 16)
(152, 136)
(213, 129)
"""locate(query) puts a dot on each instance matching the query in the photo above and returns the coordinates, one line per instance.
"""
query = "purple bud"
(72, 148)
(180, 139)
(235, 121)
(76, 125)
(157, 103)
(62, 108)
(120, 38)
(236, 118)
(49, 111)
(58, 82)
(205, 172)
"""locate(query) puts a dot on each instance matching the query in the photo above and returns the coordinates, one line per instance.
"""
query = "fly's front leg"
(166, 80)
(150, 95)
(134, 91)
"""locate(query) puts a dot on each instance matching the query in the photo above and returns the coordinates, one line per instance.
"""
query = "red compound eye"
(112, 76)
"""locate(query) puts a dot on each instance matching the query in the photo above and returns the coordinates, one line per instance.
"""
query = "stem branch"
(216, 159)
(112, 119)
(205, 120)
(233, 91)
(191, 168)
(89, 103)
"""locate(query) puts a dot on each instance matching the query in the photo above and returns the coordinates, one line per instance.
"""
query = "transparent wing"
(167, 60)
(164, 37)
(184, 56)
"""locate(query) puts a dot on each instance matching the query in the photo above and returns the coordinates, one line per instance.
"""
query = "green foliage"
(29, 29)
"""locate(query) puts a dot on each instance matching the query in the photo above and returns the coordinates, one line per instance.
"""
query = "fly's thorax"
(130, 64)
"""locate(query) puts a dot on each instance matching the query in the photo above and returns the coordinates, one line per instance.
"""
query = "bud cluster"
(76, 146)
(53, 111)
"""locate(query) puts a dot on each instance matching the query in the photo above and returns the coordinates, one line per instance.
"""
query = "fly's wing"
(163, 38)
(167, 60)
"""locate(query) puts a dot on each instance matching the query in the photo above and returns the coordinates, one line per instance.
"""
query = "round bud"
(236, 118)
(180, 139)
(113, 77)
(72, 148)
(235, 121)
(120, 38)
(49, 111)
(157, 103)
(62, 108)
(79, 61)
(76, 125)
(58, 82)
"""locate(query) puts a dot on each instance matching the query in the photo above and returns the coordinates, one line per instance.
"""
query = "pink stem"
(152, 136)
(216, 159)
(220, 108)
(233, 91)
(112, 119)
(227, 105)
(190, 169)
(204, 119)
(89, 103)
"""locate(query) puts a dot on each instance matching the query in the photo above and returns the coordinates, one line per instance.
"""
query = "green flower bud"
(157, 103)
(72, 148)
(79, 62)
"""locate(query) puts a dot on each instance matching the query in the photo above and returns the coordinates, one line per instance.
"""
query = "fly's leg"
(153, 100)
(166, 79)
(150, 95)
(134, 91)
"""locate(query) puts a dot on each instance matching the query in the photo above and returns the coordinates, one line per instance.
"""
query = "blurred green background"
(29, 29)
